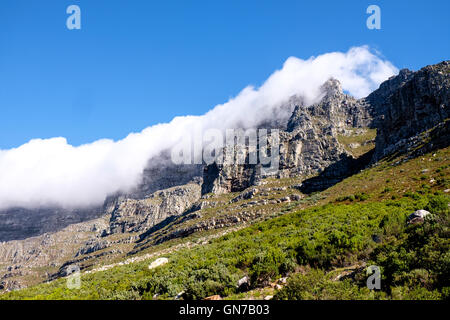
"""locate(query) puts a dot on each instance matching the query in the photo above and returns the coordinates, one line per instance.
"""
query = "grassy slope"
(312, 246)
(364, 141)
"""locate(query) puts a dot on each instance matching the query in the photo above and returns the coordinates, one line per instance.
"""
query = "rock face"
(408, 110)
(308, 144)
(221, 179)
(409, 104)
(161, 173)
(336, 108)
(19, 223)
(133, 215)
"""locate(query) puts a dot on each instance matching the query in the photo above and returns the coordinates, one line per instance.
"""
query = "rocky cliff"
(308, 144)
(20, 223)
(403, 110)
(410, 104)
(131, 215)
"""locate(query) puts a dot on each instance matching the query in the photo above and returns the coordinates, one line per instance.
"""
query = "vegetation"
(358, 142)
(415, 259)
(323, 248)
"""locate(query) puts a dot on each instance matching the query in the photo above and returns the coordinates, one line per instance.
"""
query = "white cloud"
(52, 172)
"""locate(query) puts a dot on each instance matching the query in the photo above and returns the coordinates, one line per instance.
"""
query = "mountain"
(402, 111)
(308, 144)
(372, 161)
(160, 173)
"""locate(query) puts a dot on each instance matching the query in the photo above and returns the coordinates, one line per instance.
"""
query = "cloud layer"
(52, 172)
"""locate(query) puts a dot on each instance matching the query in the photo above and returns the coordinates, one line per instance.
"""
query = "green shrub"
(315, 285)
(415, 293)
(393, 224)
(412, 195)
(269, 264)
(438, 204)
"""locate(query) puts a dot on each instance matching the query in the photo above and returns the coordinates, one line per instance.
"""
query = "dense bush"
(210, 281)
(315, 285)
(419, 257)
(438, 203)
(270, 264)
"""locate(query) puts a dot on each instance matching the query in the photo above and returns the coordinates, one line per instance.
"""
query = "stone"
(243, 284)
(158, 262)
(179, 295)
(418, 216)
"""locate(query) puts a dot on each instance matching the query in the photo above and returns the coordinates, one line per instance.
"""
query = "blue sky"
(137, 63)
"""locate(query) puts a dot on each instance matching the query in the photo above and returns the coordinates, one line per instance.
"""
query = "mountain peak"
(332, 87)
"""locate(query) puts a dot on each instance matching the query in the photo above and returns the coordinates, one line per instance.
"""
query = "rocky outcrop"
(219, 178)
(133, 215)
(161, 173)
(336, 109)
(336, 172)
(409, 104)
(409, 111)
(308, 144)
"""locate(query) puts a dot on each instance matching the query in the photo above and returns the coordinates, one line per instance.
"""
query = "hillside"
(322, 246)
(351, 172)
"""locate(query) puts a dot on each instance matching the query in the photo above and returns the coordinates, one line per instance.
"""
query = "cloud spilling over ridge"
(52, 172)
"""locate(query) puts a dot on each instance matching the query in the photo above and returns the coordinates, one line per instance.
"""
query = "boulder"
(418, 216)
(243, 284)
(158, 262)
